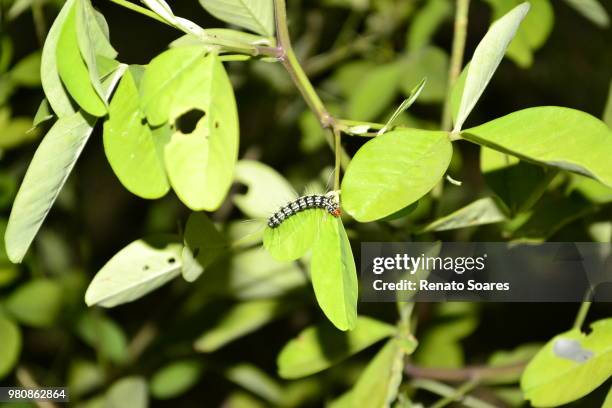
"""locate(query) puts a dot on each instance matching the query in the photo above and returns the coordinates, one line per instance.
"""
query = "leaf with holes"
(319, 347)
(333, 273)
(267, 189)
(553, 378)
(394, 170)
(139, 268)
(256, 15)
(200, 159)
(133, 149)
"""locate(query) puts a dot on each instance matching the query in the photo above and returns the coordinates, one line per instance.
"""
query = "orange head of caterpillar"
(336, 212)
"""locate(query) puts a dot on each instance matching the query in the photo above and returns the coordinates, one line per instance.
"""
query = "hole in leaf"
(171, 260)
(216, 124)
(187, 122)
(145, 268)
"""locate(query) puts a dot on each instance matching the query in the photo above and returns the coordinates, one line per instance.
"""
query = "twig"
(26, 379)
(482, 373)
(456, 62)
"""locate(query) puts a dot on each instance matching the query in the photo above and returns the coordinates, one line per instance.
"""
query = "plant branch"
(583, 311)
(456, 61)
(481, 373)
(451, 394)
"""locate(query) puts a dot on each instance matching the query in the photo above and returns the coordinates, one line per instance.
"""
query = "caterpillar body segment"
(328, 202)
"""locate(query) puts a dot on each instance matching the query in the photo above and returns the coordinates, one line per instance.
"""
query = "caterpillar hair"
(328, 202)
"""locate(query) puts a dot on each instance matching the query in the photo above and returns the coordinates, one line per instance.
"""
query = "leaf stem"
(451, 394)
(338, 158)
(456, 62)
(466, 373)
(583, 311)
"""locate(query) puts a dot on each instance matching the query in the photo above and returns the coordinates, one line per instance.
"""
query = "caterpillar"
(328, 202)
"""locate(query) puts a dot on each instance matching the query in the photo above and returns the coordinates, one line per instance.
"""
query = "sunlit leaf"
(322, 346)
(554, 377)
(480, 212)
(592, 10)
(295, 236)
(135, 151)
(136, 270)
(486, 58)
(256, 15)
(394, 170)
(199, 161)
(257, 381)
(333, 273)
(554, 136)
(266, 191)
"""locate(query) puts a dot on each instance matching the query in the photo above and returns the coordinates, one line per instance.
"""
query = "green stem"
(456, 62)
(141, 10)
(583, 311)
(293, 67)
(483, 373)
(451, 394)
(338, 158)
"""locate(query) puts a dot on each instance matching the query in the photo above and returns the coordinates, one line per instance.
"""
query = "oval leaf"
(319, 347)
(294, 237)
(256, 15)
(134, 151)
(10, 345)
(561, 137)
(136, 270)
(37, 303)
(553, 378)
(394, 170)
(333, 273)
(175, 378)
(487, 56)
(199, 161)
(129, 392)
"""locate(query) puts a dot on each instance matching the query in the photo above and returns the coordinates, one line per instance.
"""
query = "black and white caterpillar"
(329, 202)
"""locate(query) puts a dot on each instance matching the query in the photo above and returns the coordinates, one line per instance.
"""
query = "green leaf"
(592, 10)
(394, 170)
(519, 355)
(412, 97)
(84, 376)
(128, 392)
(319, 347)
(52, 85)
(480, 212)
(554, 136)
(36, 303)
(27, 71)
(257, 381)
(486, 58)
(430, 63)
(200, 164)
(104, 336)
(295, 236)
(240, 320)
(553, 379)
(378, 384)
(203, 242)
(92, 41)
(175, 379)
(74, 71)
(532, 33)
(333, 273)
(52, 163)
(427, 21)
(10, 345)
(43, 114)
(136, 270)
(14, 131)
(267, 189)
(608, 402)
(135, 151)
(517, 184)
(256, 15)
(607, 114)
(374, 92)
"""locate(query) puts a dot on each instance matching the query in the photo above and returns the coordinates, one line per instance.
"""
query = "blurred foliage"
(248, 332)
